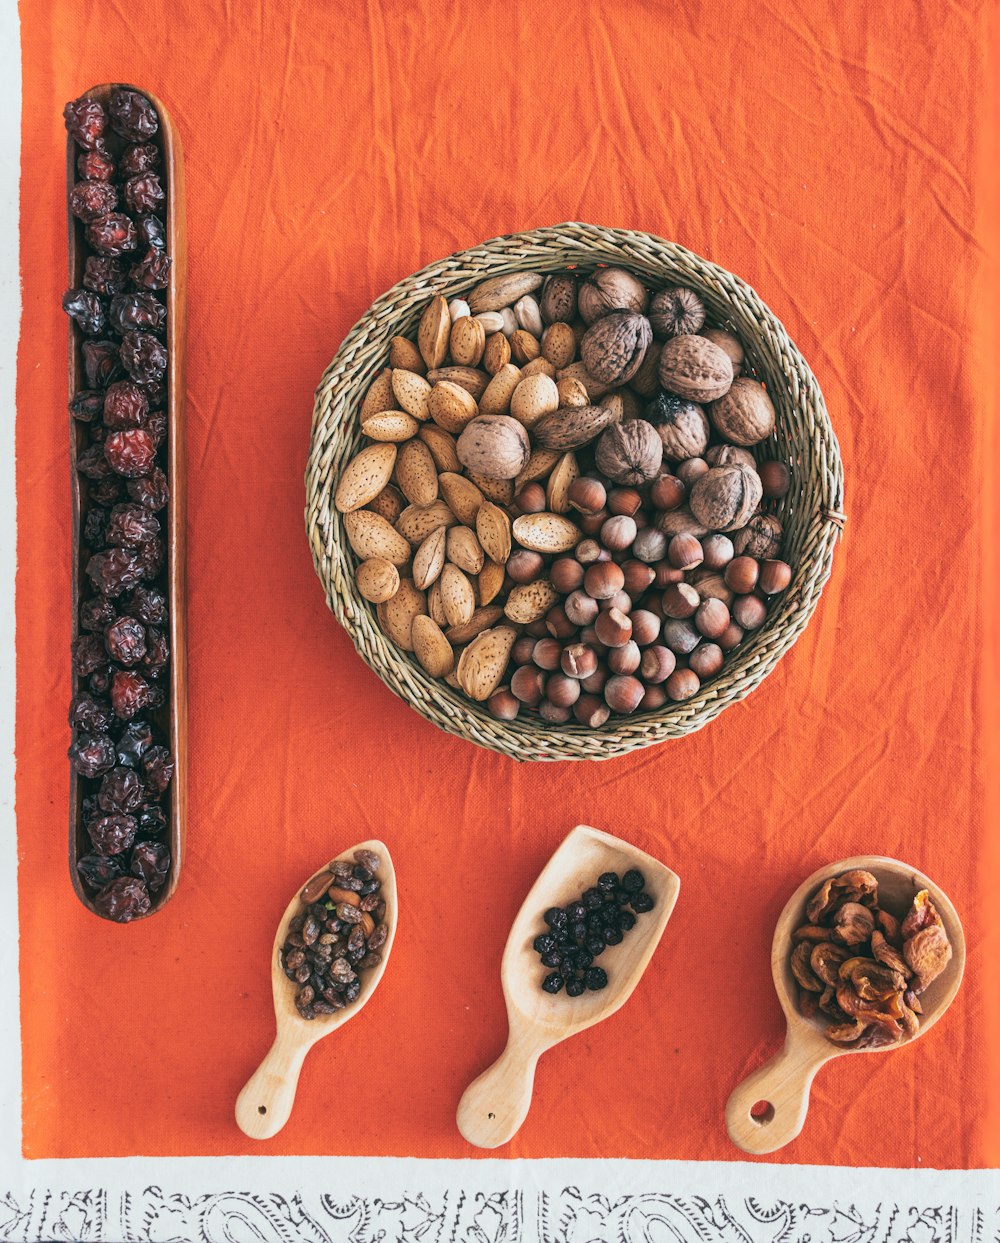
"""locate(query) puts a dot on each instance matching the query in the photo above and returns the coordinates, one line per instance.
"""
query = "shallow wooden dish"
(265, 1103)
(172, 717)
(781, 1087)
(494, 1106)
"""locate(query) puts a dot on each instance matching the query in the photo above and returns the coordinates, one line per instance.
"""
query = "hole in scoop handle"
(264, 1105)
(493, 1106)
(780, 1091)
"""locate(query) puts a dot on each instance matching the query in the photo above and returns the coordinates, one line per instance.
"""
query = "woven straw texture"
(811, 513)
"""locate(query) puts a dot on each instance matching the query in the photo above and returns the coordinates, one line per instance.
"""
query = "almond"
(577, 371)
(412, 392)
(336, 894)
(524, 347)
(546, 532)
(388, 503)
(471, 379)
(364, 477)
(416, 522)
(468, 340)
(434, 332)
(493, 529)
(430, 646)
(457, 596)
(499, 391)
(379, 397)
(559, 345)
(396, 615)
(391, 426)
(463, 497)
(451, 406)
(538, 466)
(539, 366)
(572, 393)
(442, 447)
(499, 491)
(464, 550)
(572, 426)
(371, 536)
(497, 352)
(491, 580)
(560, 481)
(404, 356)
(377, 579)
(428, 560)
(500, 291)
(534, 397)
(482, 619)
(434, 605)
(530, 601)
(483, 663)
(416, 473)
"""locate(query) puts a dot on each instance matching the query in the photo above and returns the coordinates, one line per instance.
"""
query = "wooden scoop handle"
(264, 1105)
(493, 1106)
(782, 1085)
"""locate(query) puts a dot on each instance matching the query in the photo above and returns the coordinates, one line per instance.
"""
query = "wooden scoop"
(494, 1105)
(778, 1093)
(263, 1107)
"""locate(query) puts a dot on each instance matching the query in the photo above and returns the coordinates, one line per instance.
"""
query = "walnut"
(558, 299)
(682, 426)
(760, 538)
(612, 348)
(729, 343)
(679, 522)
(494, 445)
(611, 289)
(676, 312)
(693, 367)
(745, 414)
(725, 497)
(630, 453)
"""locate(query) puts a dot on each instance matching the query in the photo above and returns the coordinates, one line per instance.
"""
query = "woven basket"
(811, 512)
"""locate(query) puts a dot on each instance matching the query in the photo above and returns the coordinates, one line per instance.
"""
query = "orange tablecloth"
(836, 157)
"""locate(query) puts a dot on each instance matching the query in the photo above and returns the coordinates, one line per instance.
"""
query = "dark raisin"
(112, 235)
(633, 881)
(106, 491)
(578, 933)
(101, 363)
(90, 200)
(92, 463)
(88, 654)
(131, 311)
(153, 270)
(104, 275)
(157, 652)
(130, 453)
(133, 742)
(130, 693)
(158, 766)
(152, 232)
(144, 356)
(87, 405)
(642, 902)
(97, 870)
(596, 978)
(92, 754)
(123, 900)
(152, 491)
(85, 310)
(125, 404)
(86, 123)
(113, 834)
(90, 714)
(378, 937)
(156, 697)
(368, 859)
(152, 820)
(115, 570)
(553, 982)
(121, 791)
(575, 987)
(139, 158)
(125, 640)
(95, 166)
(131, 525)
(132, 115)
(352, 991)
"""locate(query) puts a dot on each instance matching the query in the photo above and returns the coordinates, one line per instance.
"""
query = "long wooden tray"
(172, 717)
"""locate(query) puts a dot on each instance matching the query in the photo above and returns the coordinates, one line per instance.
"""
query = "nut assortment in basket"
(554, 508)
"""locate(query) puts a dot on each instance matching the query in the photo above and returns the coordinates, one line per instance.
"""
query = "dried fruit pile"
(558, 510)
(580, 932)
(862, 967)
(337, 935)
(119, 713)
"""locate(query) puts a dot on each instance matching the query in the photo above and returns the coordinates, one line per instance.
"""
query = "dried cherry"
(90, 200)
(121, 790)
(151, 863)
(130, 693)
(144, 356)
(132, 115)
(132, 311)
(144, 194)
(155, 423)
(125, 404)
(131, 525)
(152, 820)
(112, 235)
(85, 309)
(153, 270)
(91, 715)
(112, 834)
(114, 571)
(104, 275)
(125, 640)
(101, 363)
(152, 491)
(133, 743)
(88, 654)
(97, 870)
(106, 491)
(92, 754)
(152, 232)
(130, 453)
(86, 123)
(149, 604)
(157, 652)
(139, 158)
(152, 555)
(123, 900)
(87, 405)
(95, 166)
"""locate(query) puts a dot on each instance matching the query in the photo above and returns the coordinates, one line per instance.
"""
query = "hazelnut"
(774, 577)
(638, 576)
(591, 711)
(562, 690)
(624, 501)
(775, 479)
(706, 660)
(624, 659)
(680, 636)
(594, 684)
(591, 524)
(618, 533)
(712, 619)
(546, 653)
(645, 626)
(684, 552)
(667, 492)
(537, 628)
(718, 550)
(553, 713)
(680, 600)
(731, 637)
(620, 600)
(587, 496)
(603, 579)
(623, 693)
(523, 650)
(667, 574)
(528, 685)
(649, 545)
(531, 499)
(524, 566)
(750, 612)
(682, 684)
(629, 453)
(565, 574)
(614, 628)
(578, 660)
(657, 664)
(581, 609)
(588, 552)
(503, 705)
(690, 471)
(558, 624)
(742, 574)
(655, 697)
(725, 497)
(588, 635)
